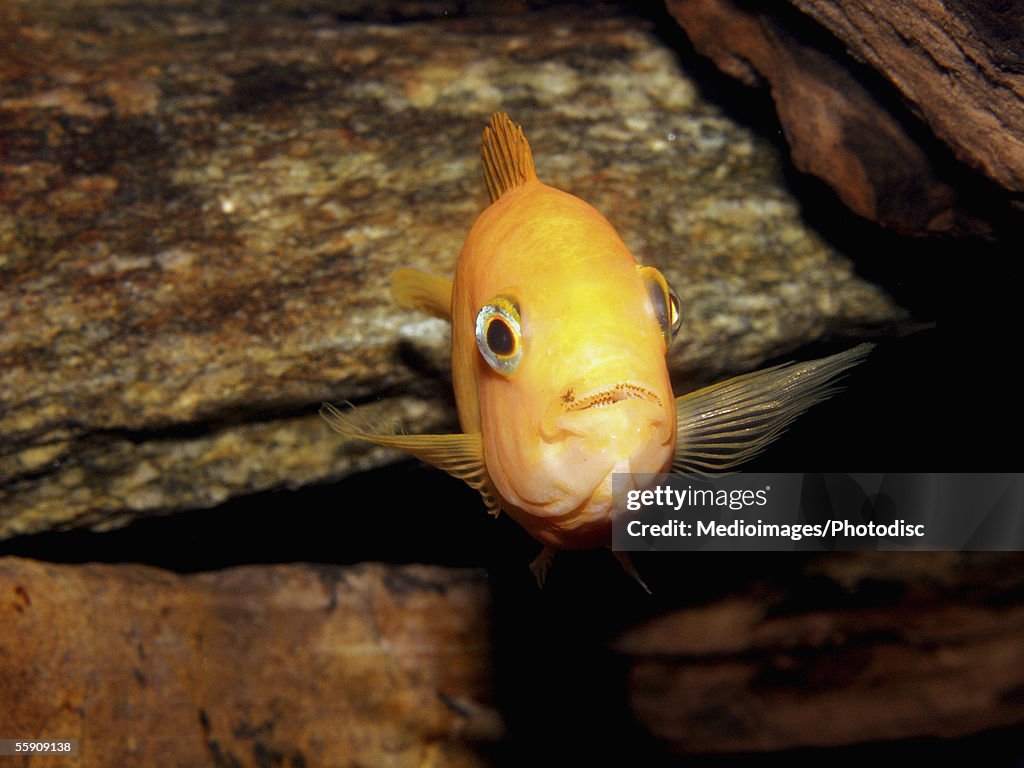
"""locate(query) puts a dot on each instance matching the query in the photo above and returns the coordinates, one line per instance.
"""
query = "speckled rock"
(254, 666)
(200, 208)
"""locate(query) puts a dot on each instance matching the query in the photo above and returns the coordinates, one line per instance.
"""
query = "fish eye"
(665, 301)
(499, 336)
(676, 314)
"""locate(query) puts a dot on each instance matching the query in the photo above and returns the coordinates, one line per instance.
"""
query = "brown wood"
(954, 66)
(863, 647)
(253, 666)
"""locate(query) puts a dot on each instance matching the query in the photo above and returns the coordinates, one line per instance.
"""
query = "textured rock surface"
(960, 64)
(957, 65)
(864, 647)
(286, 665)
(200, 207)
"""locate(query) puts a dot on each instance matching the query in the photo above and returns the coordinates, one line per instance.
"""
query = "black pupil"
(499, 337)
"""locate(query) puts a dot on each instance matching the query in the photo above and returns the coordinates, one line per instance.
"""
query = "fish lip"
(572, 416)
(608, 396)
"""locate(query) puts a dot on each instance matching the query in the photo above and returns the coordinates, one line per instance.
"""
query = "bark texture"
(253, 666)
(951, 71)
(863, 647)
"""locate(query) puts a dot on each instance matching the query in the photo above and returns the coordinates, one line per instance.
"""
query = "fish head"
(567, 335)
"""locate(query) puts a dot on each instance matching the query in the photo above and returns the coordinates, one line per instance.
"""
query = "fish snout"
(616, 420)
(585, 436)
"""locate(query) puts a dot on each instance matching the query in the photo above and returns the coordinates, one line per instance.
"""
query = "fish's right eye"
(499, 336)
(665, 301)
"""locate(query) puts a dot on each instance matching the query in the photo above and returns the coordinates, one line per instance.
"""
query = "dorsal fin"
(508, 161)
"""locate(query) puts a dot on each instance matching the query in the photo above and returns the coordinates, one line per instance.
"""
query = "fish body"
(559, 338)
(590, 394)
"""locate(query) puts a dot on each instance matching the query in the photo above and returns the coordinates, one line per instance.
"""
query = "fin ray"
(628, 567)
(507, 157)
(460, 455)
(540, 565)
(726, 424)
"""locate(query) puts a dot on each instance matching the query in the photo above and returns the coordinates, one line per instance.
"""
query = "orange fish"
(559, 339)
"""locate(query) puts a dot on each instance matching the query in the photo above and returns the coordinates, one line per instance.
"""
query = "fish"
(558, 355)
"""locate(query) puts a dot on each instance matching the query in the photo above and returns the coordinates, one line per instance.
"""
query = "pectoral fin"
(723, 425)
(461, 455)
(415, 289)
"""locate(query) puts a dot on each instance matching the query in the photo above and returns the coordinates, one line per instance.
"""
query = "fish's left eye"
(666, 303)
(499, 336)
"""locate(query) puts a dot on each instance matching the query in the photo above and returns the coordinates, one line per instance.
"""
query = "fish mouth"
(620, 413)
(608, 396)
